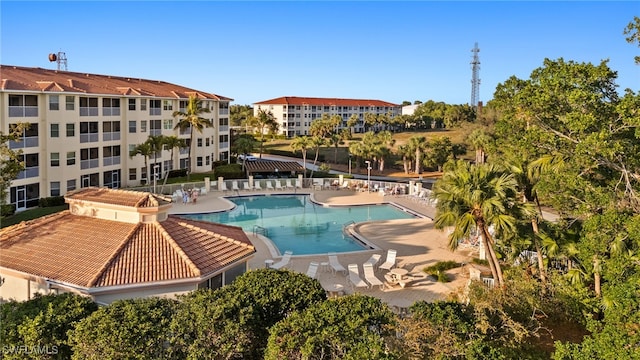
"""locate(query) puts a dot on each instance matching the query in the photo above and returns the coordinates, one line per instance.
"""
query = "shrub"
(438, 270)
(230, 171)
(7, 209)
(51, 201)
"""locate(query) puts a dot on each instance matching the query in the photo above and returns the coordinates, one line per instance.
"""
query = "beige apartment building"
(83, 127)
(295, 114)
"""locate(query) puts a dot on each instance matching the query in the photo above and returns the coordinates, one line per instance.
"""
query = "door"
(21, 198)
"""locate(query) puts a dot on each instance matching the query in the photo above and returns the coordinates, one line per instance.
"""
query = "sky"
(384, 50)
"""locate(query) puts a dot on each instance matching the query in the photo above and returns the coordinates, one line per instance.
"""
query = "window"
(88, 106)
(111, 179)
(133, 173)
(155, 127)
(110, 107)
(110, 130)
(71, 130)
(132, 148)
(23, 105)
(90, 180)
(132, 104)
(54, 102)
(154, 107)
(206, 143)
(143, 126)
(55, 130)
(143, 104)
(167, 105)
(168, 124)
(143, 173)
(88, 131)
(71, 157)
(29, 137)
(132, 127)
(183, 105)
(199, 161)
(55, 159)
(199, 142)
(89, 158)
(207, 160)
(55, 188)
(111, 155)
(70, 102)
(71, 185)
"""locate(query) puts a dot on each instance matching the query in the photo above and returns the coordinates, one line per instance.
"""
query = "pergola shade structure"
(268, 168)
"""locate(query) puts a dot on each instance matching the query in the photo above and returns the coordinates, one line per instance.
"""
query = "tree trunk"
(596, 276)
(405, 164)
(493, 259)
(190, 167)
(536, 243)
(418, 162)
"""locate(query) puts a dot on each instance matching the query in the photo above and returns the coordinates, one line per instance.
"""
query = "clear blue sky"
(254, 51)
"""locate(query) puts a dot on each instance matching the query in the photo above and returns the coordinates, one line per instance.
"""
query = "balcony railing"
(184, 151)
(31, 141)
(223, 128)
(23, 111)
(224, 112)
(113, 160)
(92, 137)
(155, 111)
(109, 136)
(89, 164)
(155, 132)
(29, 172)
(224, 145)
(88, 111)
(110, 111)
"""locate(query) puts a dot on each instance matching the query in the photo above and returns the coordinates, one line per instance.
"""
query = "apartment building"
(83, 127)
(295, 114)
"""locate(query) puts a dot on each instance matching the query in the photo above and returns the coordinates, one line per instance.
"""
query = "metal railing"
(257, 229)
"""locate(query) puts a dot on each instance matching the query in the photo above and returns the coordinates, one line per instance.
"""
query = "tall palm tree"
(418, 144)
(192, 119)
(172, 142)
(145, 150)
(479, 140)
(477, 197)
(335, 140)
(244, 145)
(265, 119)
(302, 143)
(316, 143)
(157, 144)
(406, 153)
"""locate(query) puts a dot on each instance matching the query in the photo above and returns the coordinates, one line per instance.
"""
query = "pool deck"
(417, 242)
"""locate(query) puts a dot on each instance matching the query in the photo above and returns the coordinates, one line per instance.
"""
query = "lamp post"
(368, 175)
(349, 164)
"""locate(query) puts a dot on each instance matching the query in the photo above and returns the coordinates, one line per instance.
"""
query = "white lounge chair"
(234, 186)
(354, 277)
(283, 262)
(312, 271)
(335, 264)
(345, 185)
(370, 276)
(223, 187)
(269, 186)
(289, 185)
(256, 185)
(299, 184)
(391, 260)
(279, 185)
(246, 186)
(373, 260)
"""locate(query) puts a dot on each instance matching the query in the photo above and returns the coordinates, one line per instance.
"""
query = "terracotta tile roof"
(294, 100)
(38, 79)
(92, 252)
(259, 166)
(135, 199)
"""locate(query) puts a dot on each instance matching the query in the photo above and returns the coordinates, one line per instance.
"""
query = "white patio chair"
(373, 260)
(246, 186)
(345, 185)
(312, 271)
(269, 186)
(234, 186)
(354, 277)
(335, 264)
(370, 277)
(283, 262)
(279, 185)
(256, 185)
(289, 185)
(223, 187)
(391, 260)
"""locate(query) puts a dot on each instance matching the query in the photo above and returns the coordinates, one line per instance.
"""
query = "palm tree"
(302, 143)
(316, 142)
(477, 197)
(265, 119)
(172, 142)
(335, 140)
(146, 150)
(157, 143)
(191, 119)
(418, 144)
(479, 140)
(406, 153)
(244, 145)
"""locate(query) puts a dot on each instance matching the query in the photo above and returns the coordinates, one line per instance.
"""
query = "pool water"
(294, 222)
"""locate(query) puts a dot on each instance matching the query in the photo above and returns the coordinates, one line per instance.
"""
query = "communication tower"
(475, 79)
(60, 58)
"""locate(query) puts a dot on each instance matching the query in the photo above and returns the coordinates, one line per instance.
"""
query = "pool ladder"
(260, 230)
(345, 226)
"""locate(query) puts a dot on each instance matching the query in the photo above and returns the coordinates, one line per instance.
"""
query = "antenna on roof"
(60, 58)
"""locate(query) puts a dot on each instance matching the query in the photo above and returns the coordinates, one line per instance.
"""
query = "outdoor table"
(336, 290)
(268, 263)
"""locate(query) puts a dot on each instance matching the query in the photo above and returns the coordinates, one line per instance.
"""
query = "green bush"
(230, 171)
(7, 209)
(438, 270)
(177, 173)
(51, 201)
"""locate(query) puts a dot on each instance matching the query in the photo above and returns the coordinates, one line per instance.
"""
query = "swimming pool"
(294, 222)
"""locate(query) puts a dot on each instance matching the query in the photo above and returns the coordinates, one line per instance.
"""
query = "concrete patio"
(417, 242)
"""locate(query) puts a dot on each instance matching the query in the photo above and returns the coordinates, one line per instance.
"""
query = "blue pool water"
(295, 223)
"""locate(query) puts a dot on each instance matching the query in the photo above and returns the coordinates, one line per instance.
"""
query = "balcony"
(224, 145)
(26, 142)
(223, 128)
(110, 111)
(91, 137)
(184, 151)
(155, 111)
(29, 172)
(223, 112)
(113, 160)
(89, 164)
(88, 111)
(108, 136)
(23, 111)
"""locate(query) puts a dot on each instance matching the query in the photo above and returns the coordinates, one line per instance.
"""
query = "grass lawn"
(31, 214)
